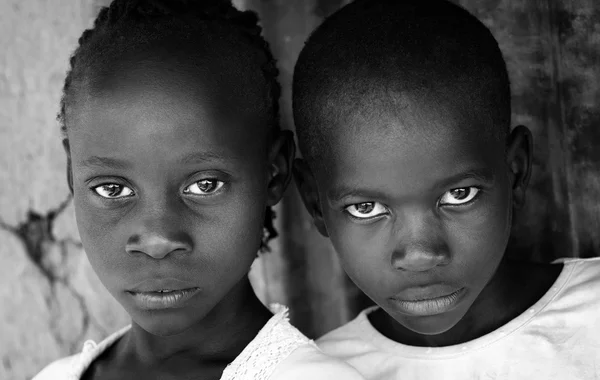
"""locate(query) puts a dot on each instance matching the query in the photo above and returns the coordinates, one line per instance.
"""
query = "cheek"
(362, 250)
(238, 227)
(233, 234)
(481, 238)
(102, 242)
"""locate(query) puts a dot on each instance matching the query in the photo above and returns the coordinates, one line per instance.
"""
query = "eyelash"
(122, 187)
(470, 201)
(95, 189)
(367, 219)
(383, 214)
(220, 185)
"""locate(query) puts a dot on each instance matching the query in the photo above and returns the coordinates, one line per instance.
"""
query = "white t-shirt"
(279, 352)
(557, 338)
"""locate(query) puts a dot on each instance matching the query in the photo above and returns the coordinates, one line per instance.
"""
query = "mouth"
(429, 301)
(162, 294)
(163, 298)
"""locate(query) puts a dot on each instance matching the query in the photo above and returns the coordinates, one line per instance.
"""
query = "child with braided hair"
(174, 153)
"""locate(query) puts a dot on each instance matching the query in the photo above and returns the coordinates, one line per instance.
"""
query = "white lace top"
(273, 343)
(279, 351)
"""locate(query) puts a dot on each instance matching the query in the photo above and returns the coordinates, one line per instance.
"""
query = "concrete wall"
(50, 299)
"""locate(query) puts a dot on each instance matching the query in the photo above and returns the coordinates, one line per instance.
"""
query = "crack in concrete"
(37, 236)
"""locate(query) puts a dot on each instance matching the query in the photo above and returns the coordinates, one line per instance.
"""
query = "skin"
(158, 133)
(433, 199)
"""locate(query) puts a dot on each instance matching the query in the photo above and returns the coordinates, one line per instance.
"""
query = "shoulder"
(348, 332)
(282, 352)
(58, 370)
(590, 264)
(308, 362)
(578, 289)
(72, 367)
(582, 273)
(349, 339)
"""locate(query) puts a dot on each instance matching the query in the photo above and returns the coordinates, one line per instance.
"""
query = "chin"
(164, 324)
(426, 328)
(429, 325)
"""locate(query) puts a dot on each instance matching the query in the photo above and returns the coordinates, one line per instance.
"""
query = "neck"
(218, 338)
(515, 287)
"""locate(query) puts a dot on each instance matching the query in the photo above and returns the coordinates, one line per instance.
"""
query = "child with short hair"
(402, 110)
(175, 156)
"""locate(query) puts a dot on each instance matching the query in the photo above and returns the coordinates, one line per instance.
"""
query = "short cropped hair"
(373, 49)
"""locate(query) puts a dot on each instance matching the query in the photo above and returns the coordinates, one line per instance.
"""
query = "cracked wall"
(50, 299)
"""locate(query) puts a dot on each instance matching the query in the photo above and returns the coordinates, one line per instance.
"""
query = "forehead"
(214, 71)
(407, 149)
(177, 107)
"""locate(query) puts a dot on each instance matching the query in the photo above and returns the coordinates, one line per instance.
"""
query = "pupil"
(206, 185)
(365, 208)
(113, 190)
(460, 194)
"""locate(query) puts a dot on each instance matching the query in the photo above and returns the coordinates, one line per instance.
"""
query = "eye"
(366, 210)
(459, 196)
(113, 191)
(204, 187)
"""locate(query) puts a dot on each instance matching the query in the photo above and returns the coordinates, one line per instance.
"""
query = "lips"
(428, 300)
(157, 294)
(160, 284)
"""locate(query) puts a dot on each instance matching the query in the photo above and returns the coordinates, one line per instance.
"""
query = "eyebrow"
(113, 163)
(201, 157)
(481, 174)
(340, 193)
(104, 162)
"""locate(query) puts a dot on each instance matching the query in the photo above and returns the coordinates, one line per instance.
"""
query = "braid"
(190, 12)
(270, 232)
(166, 16)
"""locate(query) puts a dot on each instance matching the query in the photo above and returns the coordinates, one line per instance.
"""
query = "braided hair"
(128, 23)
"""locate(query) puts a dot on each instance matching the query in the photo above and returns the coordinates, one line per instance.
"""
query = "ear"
(307, 186)
(518, 158)
(281, 156)
(67, 149)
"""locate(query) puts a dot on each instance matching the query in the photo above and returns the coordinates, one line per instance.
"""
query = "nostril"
(155, 246)
(132, 251)
(134, 239)
(419, 258)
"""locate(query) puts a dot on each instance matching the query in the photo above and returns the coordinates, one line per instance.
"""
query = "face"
(170, 187)
(418, 206)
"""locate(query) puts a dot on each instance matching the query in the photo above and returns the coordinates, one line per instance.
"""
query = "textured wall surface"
(50, 299)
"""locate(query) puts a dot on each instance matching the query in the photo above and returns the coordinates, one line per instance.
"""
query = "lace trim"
(273, 343)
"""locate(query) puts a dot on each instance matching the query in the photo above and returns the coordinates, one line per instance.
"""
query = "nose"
(156, 245)
(421, 245)
(158, 231)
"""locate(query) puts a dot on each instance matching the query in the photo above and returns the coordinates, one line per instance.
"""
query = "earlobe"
(281, 157)
(307, 187)
(518, 156)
